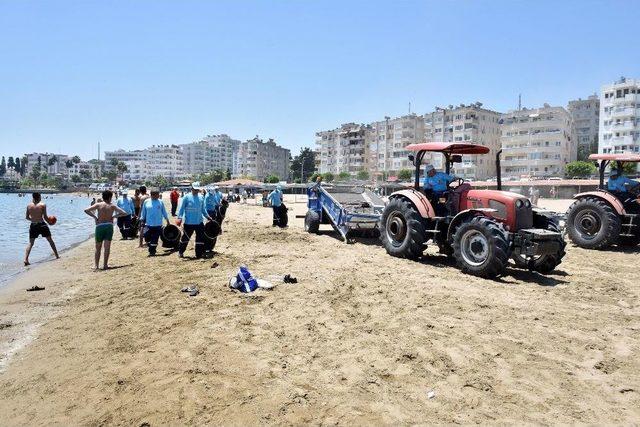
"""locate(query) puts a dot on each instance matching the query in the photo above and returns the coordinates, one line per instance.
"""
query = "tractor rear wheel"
(592, 223)
(543, 263)
(481, 247)
(312, 221)
(402, 229)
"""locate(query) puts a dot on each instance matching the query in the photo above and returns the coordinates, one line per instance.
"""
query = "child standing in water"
(37, 214)
(104, 225)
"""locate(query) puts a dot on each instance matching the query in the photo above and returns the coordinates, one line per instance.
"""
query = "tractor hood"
(505, 197)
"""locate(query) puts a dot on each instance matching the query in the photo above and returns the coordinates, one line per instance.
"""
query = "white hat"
(428, 167)
(196, 185)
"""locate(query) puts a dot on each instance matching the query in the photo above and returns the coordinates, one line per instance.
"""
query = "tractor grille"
(524, 217)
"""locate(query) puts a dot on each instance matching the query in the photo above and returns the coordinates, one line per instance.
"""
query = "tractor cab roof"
(449, 148)
(628, 157)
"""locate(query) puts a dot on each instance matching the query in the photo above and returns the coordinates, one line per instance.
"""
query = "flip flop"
(35, 288)
(189, 288)
(194, 292)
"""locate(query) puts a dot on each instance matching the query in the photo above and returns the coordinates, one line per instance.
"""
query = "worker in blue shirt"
(124, 222)
(436, 182)
(191, 212)
(275, 199)
(211, 203)
(152, 212)
(621, 185)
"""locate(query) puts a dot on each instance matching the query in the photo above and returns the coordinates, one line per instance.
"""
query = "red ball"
(52, 220)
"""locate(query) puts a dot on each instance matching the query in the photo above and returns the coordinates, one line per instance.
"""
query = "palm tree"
(121, 167)
(76, 159)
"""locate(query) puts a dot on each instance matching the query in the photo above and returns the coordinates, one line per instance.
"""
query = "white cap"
(428, 167)
(196, 185)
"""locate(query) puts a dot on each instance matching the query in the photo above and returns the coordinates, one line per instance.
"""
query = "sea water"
(73, 227)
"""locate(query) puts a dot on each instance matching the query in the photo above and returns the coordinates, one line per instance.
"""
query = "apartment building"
(125, 156)
(585, 114)
(470, 124)
(80, 169)
(620, 117)
(386, 142)
(537, 142)
(343, 149)
(260, 159)
(166, 161)
(57, 166)
(224, 151)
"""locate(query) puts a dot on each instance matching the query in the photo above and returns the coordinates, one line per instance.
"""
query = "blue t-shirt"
(438, 182)
(125, 204)
(618, 184)
(192, 209)
(152, 212)
(275, 197)
(211, 201)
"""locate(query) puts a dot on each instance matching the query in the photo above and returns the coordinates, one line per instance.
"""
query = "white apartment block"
(620, 117)
(166, 161)
(386, 142)
(585, 114)
(343, 149)
(469, 124)
(537, 142)
(259, 159)
(56, 168)
(84, 167)
(225, 150)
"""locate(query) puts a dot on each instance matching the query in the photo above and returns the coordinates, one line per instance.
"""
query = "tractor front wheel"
(481, 247)
(593, 224)
(402, 229)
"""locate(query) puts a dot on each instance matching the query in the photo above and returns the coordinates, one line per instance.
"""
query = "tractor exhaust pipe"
(498, 171)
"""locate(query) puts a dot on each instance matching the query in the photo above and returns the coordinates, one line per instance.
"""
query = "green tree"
(52, 160)
(23, 165)
(405, 174)
(630, 168)
(68, 164)
(76, 178)
(18, 166)
(10, 163)
(160, 182)
(211, 177)
(579, 169)
(363, 175)
(314, 177)
(343, 176)
(111, 175)
(327, 177)
(35, 173)
(303, 164)
(3, 166)
(85, 174)
(227, 174)
(121, 168)
(76, 159)
(272, 179)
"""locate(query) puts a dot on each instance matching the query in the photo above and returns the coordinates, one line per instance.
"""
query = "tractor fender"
(462, 215)
(419, 200)
(607, 197)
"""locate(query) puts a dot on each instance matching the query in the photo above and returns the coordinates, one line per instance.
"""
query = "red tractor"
(481, 229)
(601, 218)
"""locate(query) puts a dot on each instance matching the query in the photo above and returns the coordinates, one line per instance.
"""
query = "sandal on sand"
(35, 288)
(194, 292)
(189, 288)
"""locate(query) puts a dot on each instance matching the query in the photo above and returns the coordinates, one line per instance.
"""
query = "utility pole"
(519, 101)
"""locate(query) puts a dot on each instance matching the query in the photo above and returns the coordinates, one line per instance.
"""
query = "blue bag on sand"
(244, 281)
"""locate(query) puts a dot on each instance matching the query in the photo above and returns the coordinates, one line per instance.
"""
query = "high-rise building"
(386, 143)
(470, 124)
(585, 114)
(50, 163)
(260, 159)
(537, 142)
(343, 149)
(620, 117)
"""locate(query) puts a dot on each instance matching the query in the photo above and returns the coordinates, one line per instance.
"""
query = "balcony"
(623, 112)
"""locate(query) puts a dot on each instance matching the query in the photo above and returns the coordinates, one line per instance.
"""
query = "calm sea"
(73, 227)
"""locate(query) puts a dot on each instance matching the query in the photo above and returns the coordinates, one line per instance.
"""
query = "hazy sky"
(135, 73)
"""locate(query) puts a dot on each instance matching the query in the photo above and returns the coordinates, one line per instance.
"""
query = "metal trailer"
(351, 210)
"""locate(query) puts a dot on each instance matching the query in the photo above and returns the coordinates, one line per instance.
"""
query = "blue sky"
(135, 73)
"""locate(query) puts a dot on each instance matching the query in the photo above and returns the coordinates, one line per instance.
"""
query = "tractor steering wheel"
(459, 182)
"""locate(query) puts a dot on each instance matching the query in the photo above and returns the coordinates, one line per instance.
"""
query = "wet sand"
(361, 339)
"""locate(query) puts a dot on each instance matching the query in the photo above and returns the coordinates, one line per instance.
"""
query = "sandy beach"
(361, 339)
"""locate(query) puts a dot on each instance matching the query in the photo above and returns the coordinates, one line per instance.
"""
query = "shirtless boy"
(37, 214)
(104, 214)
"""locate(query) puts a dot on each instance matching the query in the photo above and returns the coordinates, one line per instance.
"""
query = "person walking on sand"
(143, 196)
(124, 222)
(104, 225)
(191, 212)
(174, 196)
(151, 213)
(211, 203)
(37, 215)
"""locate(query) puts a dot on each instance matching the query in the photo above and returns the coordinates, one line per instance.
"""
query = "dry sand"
(361, 339)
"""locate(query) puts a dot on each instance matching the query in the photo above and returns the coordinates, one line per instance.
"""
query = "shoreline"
(360, 339)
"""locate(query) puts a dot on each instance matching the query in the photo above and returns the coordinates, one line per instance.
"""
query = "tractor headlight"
(527, 203)
(519, 203)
